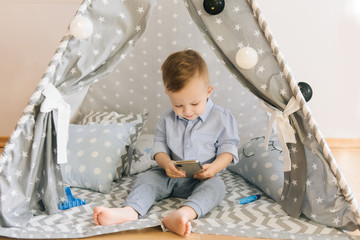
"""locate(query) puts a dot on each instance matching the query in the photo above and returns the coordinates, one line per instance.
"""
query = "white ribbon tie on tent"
(54, 102)
(284, 129)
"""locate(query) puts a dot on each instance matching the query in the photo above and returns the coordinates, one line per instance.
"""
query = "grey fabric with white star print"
(31, 181)
(267, 81)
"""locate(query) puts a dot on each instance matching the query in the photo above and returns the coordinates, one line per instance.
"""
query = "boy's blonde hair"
(180, 67)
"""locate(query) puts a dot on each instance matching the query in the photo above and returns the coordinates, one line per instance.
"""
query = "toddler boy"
(194, 129)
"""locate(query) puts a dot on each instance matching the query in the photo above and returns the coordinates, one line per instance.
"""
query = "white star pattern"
(294, 166)
(263, 86)
(60, 183)
(314, 166)
(257, 33)
(3, 198)
(236, 9)
(336, 221)
(9, 178)
(260, 52)
(24, 154)
(14, 193)
(29, 138)
(118, 31)
(140, 10)
(240, 45)
(220, 38)
(98, 36)
(18, 173)
(261, 69)
(95, 52)
(101, 19)
(283, 92)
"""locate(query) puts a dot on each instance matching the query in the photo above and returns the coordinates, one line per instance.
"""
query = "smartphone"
(190, 167)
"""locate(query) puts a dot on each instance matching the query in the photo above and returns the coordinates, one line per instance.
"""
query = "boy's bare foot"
(179, 221)
(111, 216)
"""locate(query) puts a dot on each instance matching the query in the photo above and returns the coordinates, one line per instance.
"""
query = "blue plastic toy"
(250, 199)
(71, 201)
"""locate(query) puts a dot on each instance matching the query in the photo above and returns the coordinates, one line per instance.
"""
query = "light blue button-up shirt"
(202, 139)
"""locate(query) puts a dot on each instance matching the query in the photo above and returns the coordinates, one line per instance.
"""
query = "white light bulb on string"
(246, 57)
(81, 27)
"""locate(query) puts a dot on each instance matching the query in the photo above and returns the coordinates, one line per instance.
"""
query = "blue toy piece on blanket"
(249, 199)
(71, 201)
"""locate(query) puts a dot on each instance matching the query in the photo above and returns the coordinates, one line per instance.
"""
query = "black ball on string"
(305, 90)
(214, 7)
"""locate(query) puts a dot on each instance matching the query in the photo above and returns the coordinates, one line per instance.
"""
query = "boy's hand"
(210, 170)
(172, 171)
(205, 173)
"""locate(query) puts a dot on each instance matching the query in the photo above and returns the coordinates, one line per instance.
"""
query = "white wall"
(317, 37)
(31, 31)
(320, 40)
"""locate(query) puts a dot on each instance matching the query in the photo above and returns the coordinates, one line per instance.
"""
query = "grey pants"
(155, 185)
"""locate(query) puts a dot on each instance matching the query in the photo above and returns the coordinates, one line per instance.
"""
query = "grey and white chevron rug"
(261, 218)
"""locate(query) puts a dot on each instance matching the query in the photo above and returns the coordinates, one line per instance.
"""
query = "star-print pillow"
(141, 160)
(261, 167)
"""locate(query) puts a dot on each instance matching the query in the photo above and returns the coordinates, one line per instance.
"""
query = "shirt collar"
(203, 117)
(209, 106)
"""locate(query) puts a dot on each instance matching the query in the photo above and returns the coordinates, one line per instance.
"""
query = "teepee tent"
(113, 76)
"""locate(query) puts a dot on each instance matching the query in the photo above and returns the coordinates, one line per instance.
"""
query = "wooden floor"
(347, 156)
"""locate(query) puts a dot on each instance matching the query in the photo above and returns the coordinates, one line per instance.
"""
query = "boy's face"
(190, 102)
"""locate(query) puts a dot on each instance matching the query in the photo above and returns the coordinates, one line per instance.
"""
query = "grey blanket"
(261, 218)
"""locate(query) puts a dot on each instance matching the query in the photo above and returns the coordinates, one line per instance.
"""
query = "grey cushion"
(138, 120)
(94, 153)
(260, 167)
(141, 160)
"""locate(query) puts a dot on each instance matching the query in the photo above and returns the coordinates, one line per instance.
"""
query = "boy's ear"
(210, 89)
